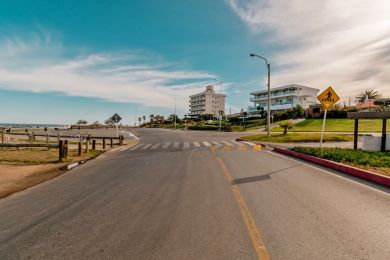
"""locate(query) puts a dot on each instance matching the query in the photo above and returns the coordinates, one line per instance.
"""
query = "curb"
(350, 170)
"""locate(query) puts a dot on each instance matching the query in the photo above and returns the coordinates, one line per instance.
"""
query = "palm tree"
(286, 126)
(151, 119)
(144, 118)
(369, 94)
(139, 121)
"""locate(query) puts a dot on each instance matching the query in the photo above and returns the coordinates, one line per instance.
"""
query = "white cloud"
(42, 64)
(345, 44)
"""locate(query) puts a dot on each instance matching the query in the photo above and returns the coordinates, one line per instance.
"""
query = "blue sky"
(65, 60)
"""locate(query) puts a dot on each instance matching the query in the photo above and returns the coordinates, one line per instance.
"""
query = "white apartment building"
(284, 98)
(207, 102)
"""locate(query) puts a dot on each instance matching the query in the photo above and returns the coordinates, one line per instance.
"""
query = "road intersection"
(200, 197)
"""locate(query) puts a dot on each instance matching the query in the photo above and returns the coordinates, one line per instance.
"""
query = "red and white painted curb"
(363, 174)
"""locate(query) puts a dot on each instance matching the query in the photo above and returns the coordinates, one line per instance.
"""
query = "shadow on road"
(262, 177)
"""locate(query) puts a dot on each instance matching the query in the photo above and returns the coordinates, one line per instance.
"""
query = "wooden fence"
(62, 147)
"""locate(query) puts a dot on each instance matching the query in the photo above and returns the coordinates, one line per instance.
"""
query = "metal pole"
(269, 101)
(383, 142)
(175, 112)
(220, 109)
(323, 128)
(355, 134)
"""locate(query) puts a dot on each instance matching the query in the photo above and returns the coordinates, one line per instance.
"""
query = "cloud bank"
(345, 44)
(42, 64)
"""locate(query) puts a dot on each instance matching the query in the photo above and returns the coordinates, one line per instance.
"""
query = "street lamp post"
(269, 92)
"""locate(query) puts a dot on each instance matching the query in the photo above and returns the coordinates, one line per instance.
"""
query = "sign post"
(327, 98)
(116, 118)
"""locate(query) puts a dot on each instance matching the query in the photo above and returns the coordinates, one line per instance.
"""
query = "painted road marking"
(176, 145)
(227, 143)
(196, 144)
(207, 144)
(146, 146)
(155, 146)
(136, 147)
(254, 233)
(166, 145)
(186, 145)
(248, 143)
(238, 143)
(216, 143)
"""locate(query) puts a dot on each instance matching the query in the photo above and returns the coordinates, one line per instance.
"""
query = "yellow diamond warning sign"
(328, 98)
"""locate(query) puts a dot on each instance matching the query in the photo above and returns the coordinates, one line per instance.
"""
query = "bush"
(203, 127)
(359, 157)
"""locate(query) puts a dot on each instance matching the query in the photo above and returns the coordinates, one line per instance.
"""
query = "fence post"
(104, 143)
(47, 140)
(58, 137)
(112, 142)
(94, 144)
(2, 137)
(121, 139)
(66, 149)
(80, 148)
(60, 150)
(87, 145)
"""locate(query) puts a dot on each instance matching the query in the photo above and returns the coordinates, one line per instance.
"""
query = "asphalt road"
(201, 196)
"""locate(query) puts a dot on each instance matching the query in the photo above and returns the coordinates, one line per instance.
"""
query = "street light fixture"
(269, 92)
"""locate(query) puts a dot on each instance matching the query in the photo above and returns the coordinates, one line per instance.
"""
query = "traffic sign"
(116, 118)
(328, 98)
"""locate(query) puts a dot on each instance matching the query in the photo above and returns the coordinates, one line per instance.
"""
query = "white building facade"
(207, 102)
(284, 98)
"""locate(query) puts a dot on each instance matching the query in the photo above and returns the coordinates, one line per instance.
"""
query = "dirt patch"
(15, 178)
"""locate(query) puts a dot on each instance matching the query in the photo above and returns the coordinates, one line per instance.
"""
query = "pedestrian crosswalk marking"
(223, 145)
(248, 143)
(238, 143)
(146, 146)
(216, 143)
(136, 147)
(155, 146)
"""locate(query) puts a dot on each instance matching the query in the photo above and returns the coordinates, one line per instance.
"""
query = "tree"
(108, 121)
(370, 94)
(139, 120)
(144, 118)
(96, 122)
(82, 122)
(172, 117)
(288, 125)
(158, 119)
(298, 111)
(151, 119)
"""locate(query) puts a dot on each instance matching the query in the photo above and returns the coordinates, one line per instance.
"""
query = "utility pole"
(269, 92)
(175, 112)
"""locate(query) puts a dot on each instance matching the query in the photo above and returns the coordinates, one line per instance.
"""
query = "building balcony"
(273, 96)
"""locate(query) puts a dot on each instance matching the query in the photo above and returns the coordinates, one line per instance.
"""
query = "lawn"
(374, 161)
(297, 138)
(39, 156)
(337, 125)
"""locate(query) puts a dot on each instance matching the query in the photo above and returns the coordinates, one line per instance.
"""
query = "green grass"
(376, 161)
(337, 125)
(40, 156)
(298, 138)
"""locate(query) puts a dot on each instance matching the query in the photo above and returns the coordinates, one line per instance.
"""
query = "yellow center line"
(254, 233)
